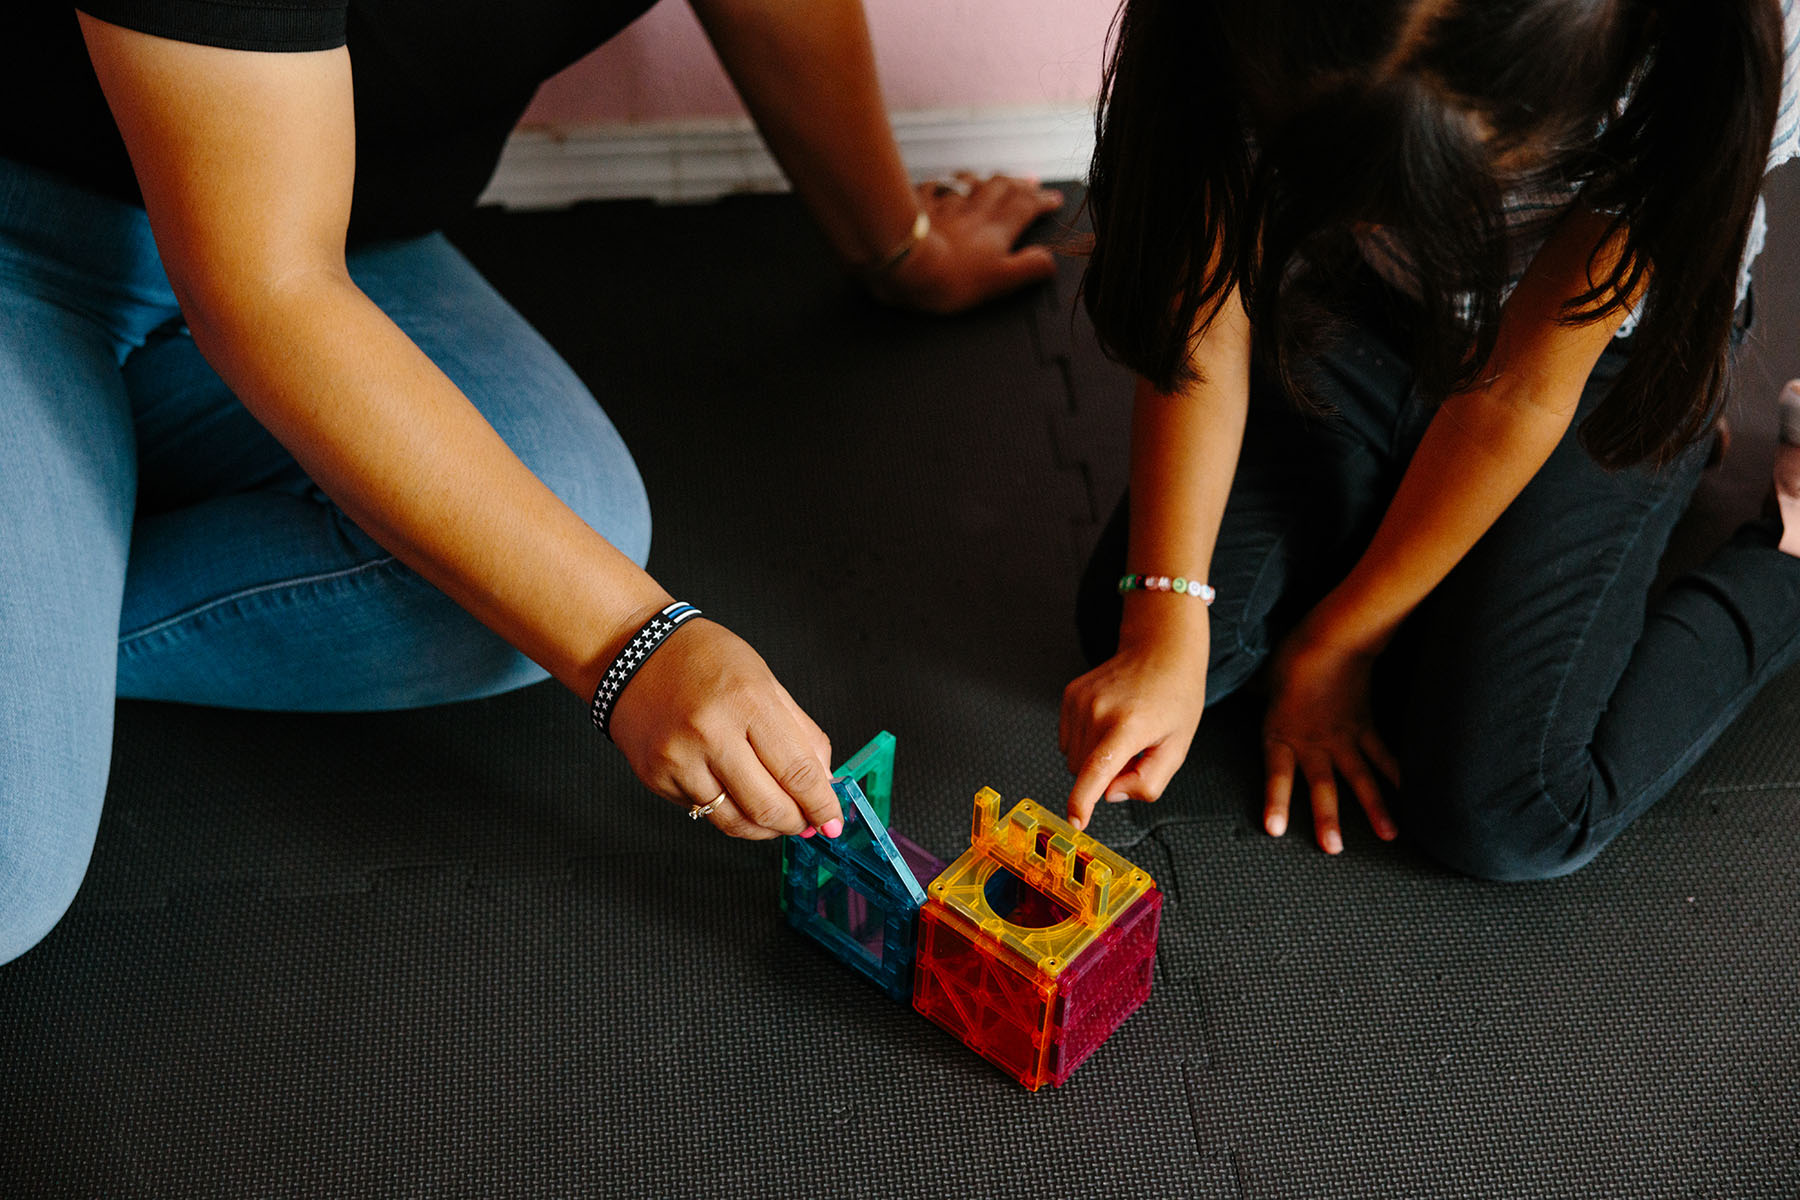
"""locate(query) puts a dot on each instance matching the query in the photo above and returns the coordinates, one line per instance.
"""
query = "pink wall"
(933, 54)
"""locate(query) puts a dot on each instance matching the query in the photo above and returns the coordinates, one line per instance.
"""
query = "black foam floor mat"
(461, 952)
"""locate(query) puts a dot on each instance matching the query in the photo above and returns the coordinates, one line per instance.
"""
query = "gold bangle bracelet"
(921, 229)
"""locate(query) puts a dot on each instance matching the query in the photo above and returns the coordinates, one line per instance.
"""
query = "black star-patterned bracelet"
(642, 644)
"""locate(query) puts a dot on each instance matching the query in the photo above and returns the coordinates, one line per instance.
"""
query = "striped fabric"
(1787, 133)
(1787, 119)
(1531, 215)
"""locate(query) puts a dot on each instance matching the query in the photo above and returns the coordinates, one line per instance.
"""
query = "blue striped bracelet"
(642, 644)
(1162, 583)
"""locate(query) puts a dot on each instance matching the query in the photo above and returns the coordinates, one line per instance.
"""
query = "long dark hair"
(1243, 142)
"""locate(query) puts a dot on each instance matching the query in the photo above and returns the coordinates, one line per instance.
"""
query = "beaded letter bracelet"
(640, 647)
(1162, 583)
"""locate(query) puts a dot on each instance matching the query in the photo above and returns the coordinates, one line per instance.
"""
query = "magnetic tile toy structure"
(1032, 948)
(872, 770)
(858, 894)
(1036, 944)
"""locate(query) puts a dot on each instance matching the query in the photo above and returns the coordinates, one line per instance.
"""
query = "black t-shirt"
(439, 84)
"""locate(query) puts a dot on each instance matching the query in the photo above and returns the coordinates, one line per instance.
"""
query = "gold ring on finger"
(696, 811)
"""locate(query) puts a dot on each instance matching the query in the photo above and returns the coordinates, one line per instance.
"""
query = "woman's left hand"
(971, 254)
(1319, 723)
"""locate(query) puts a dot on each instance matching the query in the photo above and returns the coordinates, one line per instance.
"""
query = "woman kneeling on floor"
(268, 441)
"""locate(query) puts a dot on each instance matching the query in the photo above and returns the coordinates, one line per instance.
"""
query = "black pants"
(1537, 702)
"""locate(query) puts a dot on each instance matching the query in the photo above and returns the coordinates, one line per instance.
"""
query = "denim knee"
(583, 461)
(1502, 856)
(434, 652)
(1505, 834)
(37, 886)
(514, 377)
(600, 482)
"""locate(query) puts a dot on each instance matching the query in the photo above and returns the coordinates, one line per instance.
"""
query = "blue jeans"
(1540, 699)
(158, 543)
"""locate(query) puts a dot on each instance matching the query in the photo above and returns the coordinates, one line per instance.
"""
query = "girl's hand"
(704, 715)
(1319, 719)
(969, 256)
(1126, 725)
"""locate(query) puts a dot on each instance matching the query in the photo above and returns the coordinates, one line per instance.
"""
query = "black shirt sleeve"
(277, 25)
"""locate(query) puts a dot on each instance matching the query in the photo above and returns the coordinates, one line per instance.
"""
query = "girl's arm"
(807, 74)
(1127, 724)
(1481, 449)
(246, 161)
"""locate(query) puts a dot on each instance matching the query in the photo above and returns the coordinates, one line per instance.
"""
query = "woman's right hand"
(1126, 725)
(704, 715)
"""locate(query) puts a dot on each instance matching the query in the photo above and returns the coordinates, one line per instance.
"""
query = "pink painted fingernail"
(1117, 798)
(808, 831)
(1276, 826)
(1334, 844)
(832, 827)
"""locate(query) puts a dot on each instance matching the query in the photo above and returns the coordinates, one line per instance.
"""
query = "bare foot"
(1787, 469)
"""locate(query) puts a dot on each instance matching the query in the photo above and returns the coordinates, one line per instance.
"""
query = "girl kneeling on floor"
(1432, 303)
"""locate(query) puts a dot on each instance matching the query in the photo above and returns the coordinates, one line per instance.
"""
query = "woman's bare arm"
(246, 162)
(807, 74)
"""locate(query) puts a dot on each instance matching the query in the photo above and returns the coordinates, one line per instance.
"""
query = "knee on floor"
(1500, 858)
(434, 652)
(600, 483)
(582, 459)
(36, 889)
(1508, 835)
(437, 654)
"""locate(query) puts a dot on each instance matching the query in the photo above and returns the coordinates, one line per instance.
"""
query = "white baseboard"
(687, 161)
